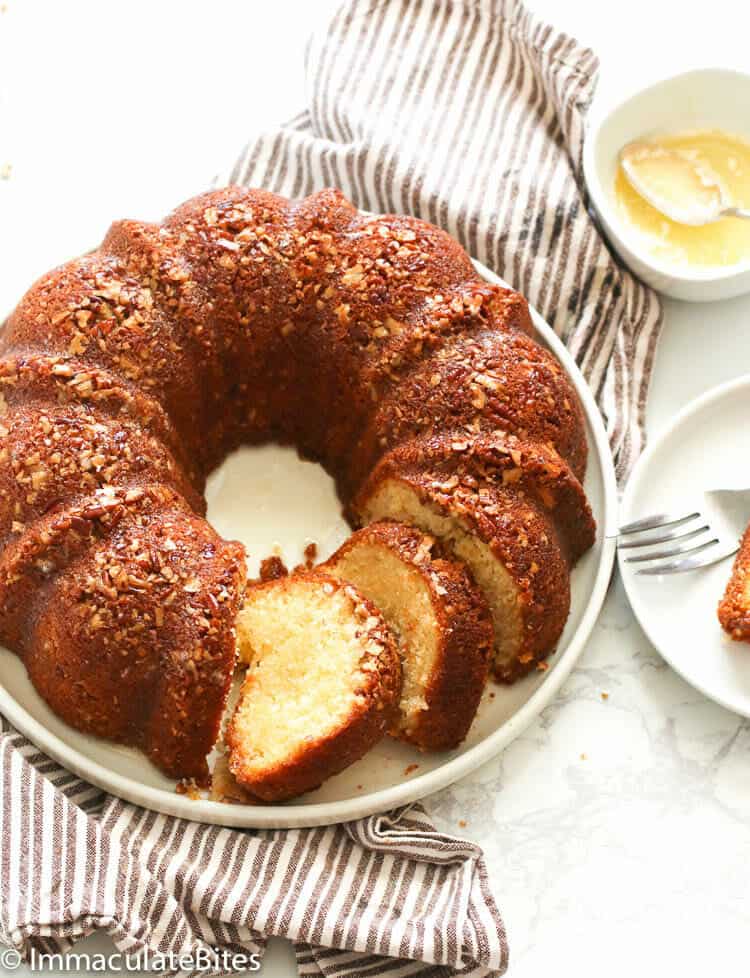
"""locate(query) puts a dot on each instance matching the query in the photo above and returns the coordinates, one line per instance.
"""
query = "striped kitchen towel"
(470, 114)
(387, 895)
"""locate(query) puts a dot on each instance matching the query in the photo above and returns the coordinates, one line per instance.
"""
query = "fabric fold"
(470, 114)
(384, 895)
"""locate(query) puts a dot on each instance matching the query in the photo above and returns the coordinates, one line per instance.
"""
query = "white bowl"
(710, 98)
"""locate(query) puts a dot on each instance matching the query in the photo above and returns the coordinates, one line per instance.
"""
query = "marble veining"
(618, 820)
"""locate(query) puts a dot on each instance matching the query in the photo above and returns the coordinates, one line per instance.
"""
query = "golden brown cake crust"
(734, 607)
(457, 681)
(483, 382)
(522, 500)
(243, 317)
(133, 599)
(502, 460)
(318, 759)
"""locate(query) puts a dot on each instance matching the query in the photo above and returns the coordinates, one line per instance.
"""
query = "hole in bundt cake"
(322, 684)
(274, 502)
(440, 620)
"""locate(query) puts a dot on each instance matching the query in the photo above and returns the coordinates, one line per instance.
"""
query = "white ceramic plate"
(266, 496)
(705, 447)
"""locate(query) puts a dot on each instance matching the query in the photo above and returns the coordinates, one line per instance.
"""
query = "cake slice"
(734, 607)
(322, 685)
(511, 510)
(440, 620)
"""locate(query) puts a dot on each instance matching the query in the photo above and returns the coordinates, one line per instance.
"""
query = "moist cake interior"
(396, 501)
(403, 599)
(303, 651)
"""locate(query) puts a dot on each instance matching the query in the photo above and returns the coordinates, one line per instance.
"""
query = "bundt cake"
(322, 685)
(441, 622)
(511, 510)
(128, 374)
(734, 607)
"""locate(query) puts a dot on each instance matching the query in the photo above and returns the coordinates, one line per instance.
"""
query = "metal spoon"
(682, 189)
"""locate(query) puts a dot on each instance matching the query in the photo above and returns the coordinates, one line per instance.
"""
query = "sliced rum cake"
(322, 686)
(440, 620)
(128, 374)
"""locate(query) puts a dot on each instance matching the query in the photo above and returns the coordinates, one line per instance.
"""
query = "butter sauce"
(723, 242)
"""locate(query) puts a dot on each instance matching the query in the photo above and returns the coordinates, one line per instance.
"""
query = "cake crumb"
(542, 666)
(272, 569)
(492, 696)
(462, 823)
(225, 788)
(189, 787)
(5, 171)
(410, 768)
(605, 696)
(584, 757)
(310, 556)
(359, 787)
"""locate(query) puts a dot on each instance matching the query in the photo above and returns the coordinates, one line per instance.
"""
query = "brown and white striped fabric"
(387, 895)
(470, 114)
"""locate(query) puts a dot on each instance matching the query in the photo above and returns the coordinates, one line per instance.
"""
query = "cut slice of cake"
(322, 686)
(511, 510)
(734, 607)
(513, 555)
(440, 620)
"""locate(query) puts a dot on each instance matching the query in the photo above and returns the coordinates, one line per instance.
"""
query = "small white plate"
(706, 447)
(264, 496)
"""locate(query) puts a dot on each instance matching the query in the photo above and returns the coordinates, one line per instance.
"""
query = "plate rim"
(690, 410)
(168, 802)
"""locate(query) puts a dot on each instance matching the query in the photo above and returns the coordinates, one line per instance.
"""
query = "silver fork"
(697, 537)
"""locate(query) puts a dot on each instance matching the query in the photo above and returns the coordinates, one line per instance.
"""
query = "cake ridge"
(245, 317)
(491, 380)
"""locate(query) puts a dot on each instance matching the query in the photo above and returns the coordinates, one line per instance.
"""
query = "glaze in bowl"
(709, 98)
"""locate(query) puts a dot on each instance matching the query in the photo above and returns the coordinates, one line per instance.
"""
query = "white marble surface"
(617, 830)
